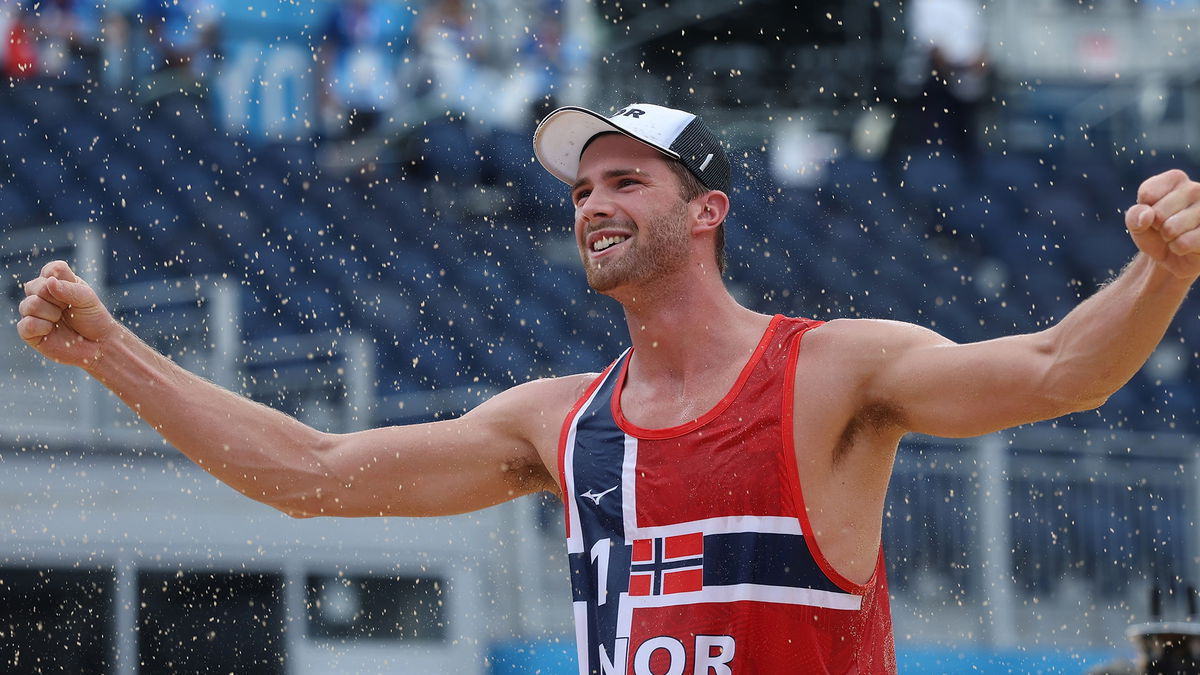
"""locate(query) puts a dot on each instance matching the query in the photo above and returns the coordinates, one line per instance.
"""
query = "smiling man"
(724, 478)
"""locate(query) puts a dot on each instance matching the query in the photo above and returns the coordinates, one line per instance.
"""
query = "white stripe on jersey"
(810, 597)
(582, 644)
(725, 525)
(629, 486)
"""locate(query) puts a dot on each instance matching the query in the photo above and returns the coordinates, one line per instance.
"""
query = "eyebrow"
(607, 175)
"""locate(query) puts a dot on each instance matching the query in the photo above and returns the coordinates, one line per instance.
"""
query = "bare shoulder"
(544, 396)
(864, 358)
(869, 340)
(843, 400)
(535, 411)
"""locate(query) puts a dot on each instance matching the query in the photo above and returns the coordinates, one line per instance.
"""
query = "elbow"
(1085, 403)
(1081, 394)
(302, 506)
(313, 490)
(1065, 400)
(294, 513)
(1094, 402)
(1072, 385)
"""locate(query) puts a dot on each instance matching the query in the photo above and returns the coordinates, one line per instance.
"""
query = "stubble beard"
(657, 251)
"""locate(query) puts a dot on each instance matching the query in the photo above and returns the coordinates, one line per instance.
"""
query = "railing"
(40, 400)
(325, 379)
(1039, 536)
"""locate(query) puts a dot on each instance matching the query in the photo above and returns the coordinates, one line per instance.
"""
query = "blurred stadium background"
(332, 207)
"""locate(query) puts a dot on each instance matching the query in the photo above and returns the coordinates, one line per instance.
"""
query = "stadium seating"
(484, 291)
(1011, 242)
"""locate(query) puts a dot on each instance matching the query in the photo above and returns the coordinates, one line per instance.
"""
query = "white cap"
(561, 137)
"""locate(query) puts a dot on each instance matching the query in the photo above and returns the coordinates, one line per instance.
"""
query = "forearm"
(1104, 341)
(258, 451)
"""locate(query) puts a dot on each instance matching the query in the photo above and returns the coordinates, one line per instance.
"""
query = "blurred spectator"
(491, 78)
(67, 36)
(18, 56)
(538, 72)
(362, 44)
(493, 69)
(945, 73)
(183, 44)
(451, 49)
(115, 42)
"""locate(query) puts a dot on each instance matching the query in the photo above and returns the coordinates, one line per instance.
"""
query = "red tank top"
(690, 548)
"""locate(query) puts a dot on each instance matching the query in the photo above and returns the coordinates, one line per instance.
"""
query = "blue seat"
(1172, 406)
(447, 155)
(1012, 177)
(15, 206)
(508, 158)
(1105, 189)
(932, 180)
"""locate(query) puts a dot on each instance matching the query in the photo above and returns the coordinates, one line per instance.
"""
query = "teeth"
(604, 243)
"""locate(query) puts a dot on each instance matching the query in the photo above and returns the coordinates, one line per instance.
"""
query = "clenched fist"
(1164, 222)
(63, 318)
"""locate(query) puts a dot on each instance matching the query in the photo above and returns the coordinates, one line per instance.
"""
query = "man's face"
(630, 221)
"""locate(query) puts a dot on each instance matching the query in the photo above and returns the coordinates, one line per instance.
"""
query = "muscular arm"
(947, 389)
(480, 459)
(499, 451)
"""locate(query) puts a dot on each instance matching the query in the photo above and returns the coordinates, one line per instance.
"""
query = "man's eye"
(626, 182)
(582, 195)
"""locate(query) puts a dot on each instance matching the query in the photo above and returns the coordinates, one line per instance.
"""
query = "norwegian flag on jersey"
(665, 565)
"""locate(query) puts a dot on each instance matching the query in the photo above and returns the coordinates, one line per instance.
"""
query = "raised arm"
(499, 451)
(947, 389)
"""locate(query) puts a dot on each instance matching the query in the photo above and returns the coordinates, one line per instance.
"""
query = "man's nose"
(597, 206)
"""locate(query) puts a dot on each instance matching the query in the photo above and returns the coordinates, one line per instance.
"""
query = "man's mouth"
(607, 242)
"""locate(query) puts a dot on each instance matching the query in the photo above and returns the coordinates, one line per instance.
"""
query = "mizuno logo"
(596, 496)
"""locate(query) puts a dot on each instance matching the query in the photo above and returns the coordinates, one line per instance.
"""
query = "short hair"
(690, 187)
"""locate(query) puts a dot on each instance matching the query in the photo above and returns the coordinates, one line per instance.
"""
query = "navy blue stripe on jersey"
(598, 458)
(764, 559)
(581, 571)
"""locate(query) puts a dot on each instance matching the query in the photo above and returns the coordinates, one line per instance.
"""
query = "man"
(724, 479)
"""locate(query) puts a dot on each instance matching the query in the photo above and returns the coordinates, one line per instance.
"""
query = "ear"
(709, 210)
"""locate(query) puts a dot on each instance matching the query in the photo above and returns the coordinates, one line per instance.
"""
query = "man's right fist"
(63, 318)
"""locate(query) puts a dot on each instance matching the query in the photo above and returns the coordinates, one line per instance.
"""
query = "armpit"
(874, 417)
(526, 475)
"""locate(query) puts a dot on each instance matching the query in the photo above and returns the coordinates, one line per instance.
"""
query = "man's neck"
(686, 330)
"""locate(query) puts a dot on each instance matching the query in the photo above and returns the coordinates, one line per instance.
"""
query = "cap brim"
(561, 137)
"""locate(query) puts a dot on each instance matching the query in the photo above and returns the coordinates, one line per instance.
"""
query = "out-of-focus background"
(332, 207)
